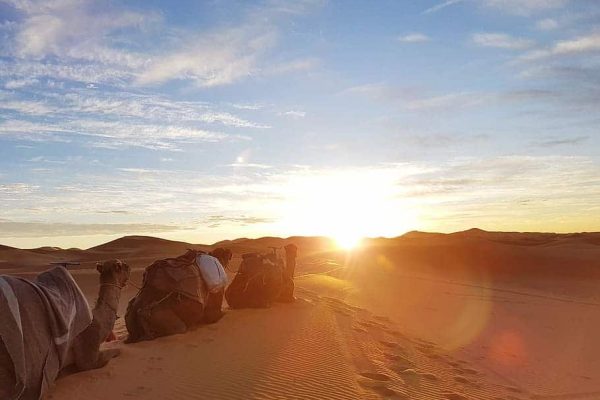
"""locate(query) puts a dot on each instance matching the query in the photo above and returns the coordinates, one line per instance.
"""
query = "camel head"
(223, 255)
(291, 250)
(113, 271)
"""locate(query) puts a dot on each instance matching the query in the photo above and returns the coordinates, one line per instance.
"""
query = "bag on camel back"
(212, 272)
(173, 283)
(257, 283)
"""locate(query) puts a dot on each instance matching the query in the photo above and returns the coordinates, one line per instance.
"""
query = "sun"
(345, 205)
(348, 241)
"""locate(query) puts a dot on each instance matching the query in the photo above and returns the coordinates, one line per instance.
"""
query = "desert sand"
(471, 315)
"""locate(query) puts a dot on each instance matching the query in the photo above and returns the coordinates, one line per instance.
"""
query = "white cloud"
(27, 107)
(228, 55)
(294, 114)
(249, 165)
(524, 7)
(112, 134)
(501, 40)
(151, 107)
(17, 188)
(299, 65)
(29, 69)
(16, 229)
(449, 101)
(211, 60)
(20, 83)
(78, 29)
(83, 40)
(546, 24)
(414, 38)
(580, 45)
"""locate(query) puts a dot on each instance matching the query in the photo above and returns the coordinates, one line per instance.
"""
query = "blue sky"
(206, 120)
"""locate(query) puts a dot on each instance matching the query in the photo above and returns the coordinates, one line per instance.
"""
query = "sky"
(209, 120)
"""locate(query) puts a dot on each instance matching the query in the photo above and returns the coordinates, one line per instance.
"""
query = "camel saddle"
(177, 275)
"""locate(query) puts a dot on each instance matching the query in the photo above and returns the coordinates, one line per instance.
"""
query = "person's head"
(223, 255)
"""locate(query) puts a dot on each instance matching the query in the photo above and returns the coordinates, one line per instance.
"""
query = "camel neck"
(109, 296)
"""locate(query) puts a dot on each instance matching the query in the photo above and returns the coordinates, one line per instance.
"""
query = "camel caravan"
(46, 326)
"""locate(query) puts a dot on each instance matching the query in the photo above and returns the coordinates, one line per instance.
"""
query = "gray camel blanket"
(67, 311)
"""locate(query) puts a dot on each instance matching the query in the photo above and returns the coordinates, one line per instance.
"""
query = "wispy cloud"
(214, 221)
(442, 5)
(546, 24)
(520, 7)
(229, 55)
(554, 142)
(524, 7)
(82, 40)
(212, 60)
(17, 188)
(414, 38)
(294, 114)
(112, 135)
(580, 45)
(501, 40)
(298, 65)
(76, 29)
(15, 229)
(20, 83)
(449, 101)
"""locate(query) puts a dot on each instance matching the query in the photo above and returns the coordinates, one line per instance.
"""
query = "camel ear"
(118, 265)
(99, 267)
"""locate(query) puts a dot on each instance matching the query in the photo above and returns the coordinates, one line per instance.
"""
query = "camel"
(164, 307)
(46, 326)
(258, 282)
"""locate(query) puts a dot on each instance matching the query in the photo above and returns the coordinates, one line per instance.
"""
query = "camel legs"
(163, 321)
(104, 357)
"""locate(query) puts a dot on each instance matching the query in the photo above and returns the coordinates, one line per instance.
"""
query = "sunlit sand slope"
(321, 347)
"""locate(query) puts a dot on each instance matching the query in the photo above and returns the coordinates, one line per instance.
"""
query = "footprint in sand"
(391, 331)
(462, 379)
(342, 312)
(140, 391)
(513, 389)
(401, 364)
(410, 376)
(367, 324)
(375, 376)
(391, 345)
(430, 376)
(469, 371)
(426, 348)
(378, 383)
(395, 357)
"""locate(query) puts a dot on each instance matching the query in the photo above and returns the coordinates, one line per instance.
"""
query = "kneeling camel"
(46, 326)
